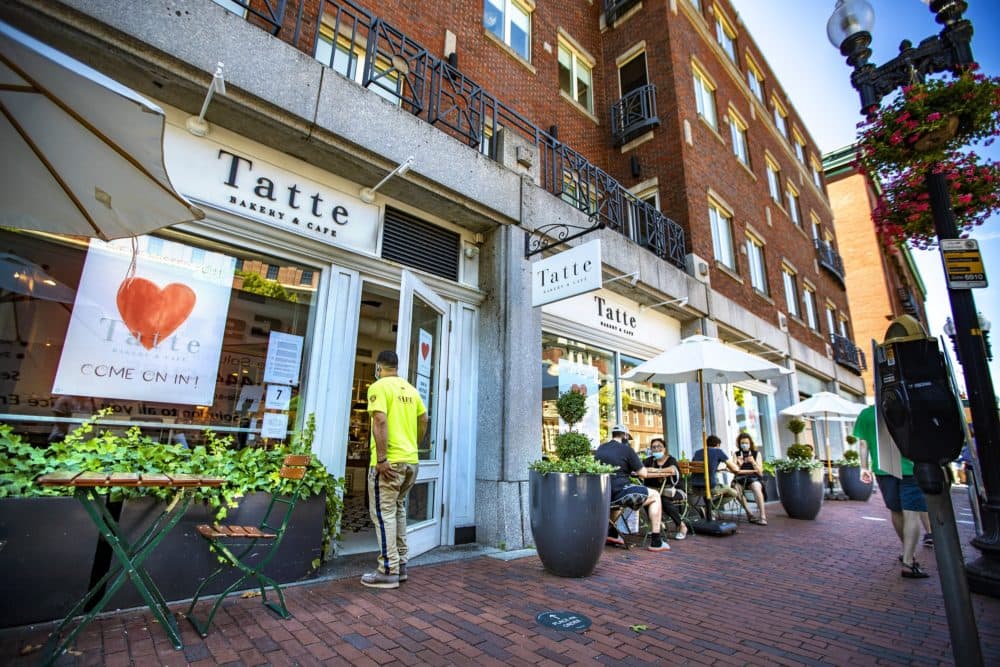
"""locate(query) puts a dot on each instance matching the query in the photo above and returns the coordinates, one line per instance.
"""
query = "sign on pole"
(963, 264)
(565, 274)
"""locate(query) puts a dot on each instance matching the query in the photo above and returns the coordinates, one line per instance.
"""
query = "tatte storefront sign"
(610, 313)
(566, 274)
(229, 173)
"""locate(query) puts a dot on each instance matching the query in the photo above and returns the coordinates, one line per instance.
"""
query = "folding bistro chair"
(718, 506)
(623, 508)
(247, 557)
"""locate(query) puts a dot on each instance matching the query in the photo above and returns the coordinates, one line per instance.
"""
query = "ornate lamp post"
(984, 327)
(950, 50)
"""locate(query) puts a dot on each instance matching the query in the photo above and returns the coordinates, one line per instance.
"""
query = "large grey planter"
(569, 520)
(801, 492)
(46, 556)
(850, 482)
(770, 487)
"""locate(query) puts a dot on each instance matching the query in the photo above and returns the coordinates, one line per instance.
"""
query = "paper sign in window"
(279, 397)
(284, 359)
(274, 425)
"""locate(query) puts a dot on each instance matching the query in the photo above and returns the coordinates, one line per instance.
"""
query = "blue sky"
(792, 38)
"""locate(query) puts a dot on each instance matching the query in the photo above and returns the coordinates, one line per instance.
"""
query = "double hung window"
(704, 96)
(576, 76)
(758, 265)
(722, 235)
(510, 22)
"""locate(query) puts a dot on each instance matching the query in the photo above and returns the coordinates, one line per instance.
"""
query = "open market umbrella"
(702, 359)
(828, 407)
(83, 154)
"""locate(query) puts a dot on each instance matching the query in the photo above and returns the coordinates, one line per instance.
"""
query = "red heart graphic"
(425, 349)
(152, 314)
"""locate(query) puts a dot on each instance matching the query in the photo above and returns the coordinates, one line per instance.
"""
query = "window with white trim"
(842, 324)
(758, 265)
(576, 77)
(817, 171)
(816, 228)
(780, 117)
(704, 96)
(510, 22)
(774, 181)
(799, 144)
(738, 132)
(792, 204)
(347, 58)
(755, 81)
(831, 318)
(725, 35)
(722, 235)
(790, 279)
(809, 300)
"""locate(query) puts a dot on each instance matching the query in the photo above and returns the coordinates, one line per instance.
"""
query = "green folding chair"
(247, 557)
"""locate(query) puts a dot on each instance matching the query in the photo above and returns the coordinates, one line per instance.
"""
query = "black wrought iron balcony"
(634, 114)
(830, 260)
(908, 301)
(616, 8)
(847, 354)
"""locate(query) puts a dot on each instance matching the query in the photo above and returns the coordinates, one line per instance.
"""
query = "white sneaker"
(680, 536)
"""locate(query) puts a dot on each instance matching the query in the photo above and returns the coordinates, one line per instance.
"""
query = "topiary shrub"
(796, 426)
(572, 448)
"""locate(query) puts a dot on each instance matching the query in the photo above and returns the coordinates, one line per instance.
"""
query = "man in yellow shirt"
(399, 422)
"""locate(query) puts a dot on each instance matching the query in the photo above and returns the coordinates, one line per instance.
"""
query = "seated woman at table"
(750, 475)
(665, 466)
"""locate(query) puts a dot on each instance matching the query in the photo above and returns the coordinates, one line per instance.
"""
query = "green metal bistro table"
(129, 555)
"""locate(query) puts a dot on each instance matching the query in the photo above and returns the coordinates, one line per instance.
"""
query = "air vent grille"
(419, 244)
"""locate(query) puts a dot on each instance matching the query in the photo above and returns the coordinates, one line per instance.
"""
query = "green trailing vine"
(246, 471)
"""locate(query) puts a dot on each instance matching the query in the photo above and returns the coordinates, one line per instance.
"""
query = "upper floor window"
(306, 278)
(704, 95)
(800, 146)
(696, 3)
(780, 118)
(725, 35)
(792, 204)
(816, 172)
(809, 300)
(576, 76)
(755, 80)
(842, 325)
(510, 21)
(758, 267)
(234, 7)
(272, 271)
(347, 57)
(722, 235)
(789, 277)
(738, 132)
(816, 228)
(831, 318)
(774, 181)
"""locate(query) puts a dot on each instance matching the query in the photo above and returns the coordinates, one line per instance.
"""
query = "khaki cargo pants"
(387, 504)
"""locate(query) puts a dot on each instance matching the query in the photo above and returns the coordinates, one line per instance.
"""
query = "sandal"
(913, 571)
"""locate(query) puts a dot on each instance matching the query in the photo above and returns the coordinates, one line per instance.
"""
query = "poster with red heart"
(152, 332)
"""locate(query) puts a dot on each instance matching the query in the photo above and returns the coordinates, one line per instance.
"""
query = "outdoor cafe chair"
(624, 508)
(718, 506)
(246, 557)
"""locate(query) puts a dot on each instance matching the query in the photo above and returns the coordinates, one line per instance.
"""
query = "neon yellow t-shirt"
(401, 403)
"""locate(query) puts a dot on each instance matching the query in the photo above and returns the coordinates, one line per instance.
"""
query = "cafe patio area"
(823, 592)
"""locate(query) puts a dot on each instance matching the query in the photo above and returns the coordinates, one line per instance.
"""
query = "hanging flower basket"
(904, 210)
(929, 120)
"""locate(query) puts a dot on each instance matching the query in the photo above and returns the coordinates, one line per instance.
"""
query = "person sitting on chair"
(716, 457)
(750, 476)
(662, 462)
(618, 453)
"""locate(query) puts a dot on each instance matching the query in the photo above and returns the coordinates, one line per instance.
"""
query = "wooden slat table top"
(75, 478)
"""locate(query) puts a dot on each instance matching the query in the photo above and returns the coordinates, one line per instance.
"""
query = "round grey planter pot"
(801, 492)
(569, 520)
(850, 482)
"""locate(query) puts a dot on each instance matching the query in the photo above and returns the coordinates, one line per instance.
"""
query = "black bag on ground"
(714, 528)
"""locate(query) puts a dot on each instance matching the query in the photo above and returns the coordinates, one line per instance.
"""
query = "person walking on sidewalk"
(399, 422)
(902, 497)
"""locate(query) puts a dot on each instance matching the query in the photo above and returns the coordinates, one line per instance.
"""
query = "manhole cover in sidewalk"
(564, 620)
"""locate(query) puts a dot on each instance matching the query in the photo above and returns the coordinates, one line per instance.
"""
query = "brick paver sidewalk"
(794, 592)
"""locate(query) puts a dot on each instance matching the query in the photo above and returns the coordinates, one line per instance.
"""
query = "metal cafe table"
(130, 555)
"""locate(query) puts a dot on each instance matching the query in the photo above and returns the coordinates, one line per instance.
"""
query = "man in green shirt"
(399, 422)
(902, 497)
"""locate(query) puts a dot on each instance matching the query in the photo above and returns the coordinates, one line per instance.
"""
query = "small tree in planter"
(796, 426)
(800, 482)
(849, 470)
(570, 498)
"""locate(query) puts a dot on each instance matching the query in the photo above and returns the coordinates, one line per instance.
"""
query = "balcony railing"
(433, 90)
(848, 354)
(908, 301)
(830, 260)
(615, 8)
(634, 114)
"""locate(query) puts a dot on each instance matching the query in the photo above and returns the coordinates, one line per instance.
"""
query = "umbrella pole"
(829, 463)
(704, 435)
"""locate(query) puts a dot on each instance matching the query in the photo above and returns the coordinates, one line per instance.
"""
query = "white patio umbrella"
(702, 359)
(828, 407)
(82, 154)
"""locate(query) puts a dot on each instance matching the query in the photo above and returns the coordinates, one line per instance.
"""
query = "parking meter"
(917, 403)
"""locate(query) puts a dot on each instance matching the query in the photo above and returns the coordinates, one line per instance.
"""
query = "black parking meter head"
(916, 401)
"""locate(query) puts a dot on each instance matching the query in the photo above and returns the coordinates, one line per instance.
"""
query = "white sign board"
(423, 387)
(274, 425)
(151, 331)
(425, 347)
(568, 273)
(279, 397)
(284, 357)
(963, 264)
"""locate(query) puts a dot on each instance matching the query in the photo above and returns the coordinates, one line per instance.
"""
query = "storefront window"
(753, 416)
(569, 364)
(171, 335)
(648, 405)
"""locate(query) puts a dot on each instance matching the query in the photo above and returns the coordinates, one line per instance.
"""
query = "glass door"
(422, 346)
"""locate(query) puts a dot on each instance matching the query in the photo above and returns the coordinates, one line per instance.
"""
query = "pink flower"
(931, 117)
(964, 199)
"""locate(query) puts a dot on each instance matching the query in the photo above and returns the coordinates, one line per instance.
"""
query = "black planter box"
(46, 556)
(770, 487)
(569, 520)
(183, 560)
(801, 492)
(850, 482)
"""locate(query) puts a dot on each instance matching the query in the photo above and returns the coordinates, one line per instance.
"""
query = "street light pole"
(949, 51)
